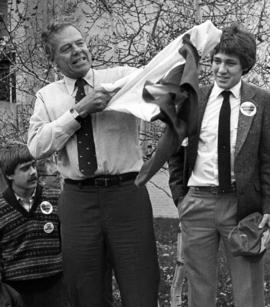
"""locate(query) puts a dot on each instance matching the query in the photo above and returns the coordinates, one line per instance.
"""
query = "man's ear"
(10, 177)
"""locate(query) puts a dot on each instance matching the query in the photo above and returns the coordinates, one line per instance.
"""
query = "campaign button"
(46, 207)
(248, 108)
(48, 227)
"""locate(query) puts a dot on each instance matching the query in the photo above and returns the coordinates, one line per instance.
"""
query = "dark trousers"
(44, 292)
(115, 221)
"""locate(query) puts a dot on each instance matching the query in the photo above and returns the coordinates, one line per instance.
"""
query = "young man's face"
(227, 70)
(71, 54)
(25, 177)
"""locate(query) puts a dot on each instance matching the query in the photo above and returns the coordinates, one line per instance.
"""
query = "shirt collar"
(235, 90)
(70, 83)
(19, 198)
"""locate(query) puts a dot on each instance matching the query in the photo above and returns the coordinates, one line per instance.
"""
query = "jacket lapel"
(193, 140)
(204, 96)
(244, 122)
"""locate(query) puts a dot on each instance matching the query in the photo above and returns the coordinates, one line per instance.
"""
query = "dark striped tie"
(224, 143)
(85, 140)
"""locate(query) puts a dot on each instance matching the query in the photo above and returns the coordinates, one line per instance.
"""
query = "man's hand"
(94, 102)
(265, 221)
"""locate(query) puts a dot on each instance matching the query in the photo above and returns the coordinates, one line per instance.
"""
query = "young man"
(31, 259)
(102, 213)
(226, 170)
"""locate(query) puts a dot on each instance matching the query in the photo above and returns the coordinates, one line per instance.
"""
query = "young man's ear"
(10, 177)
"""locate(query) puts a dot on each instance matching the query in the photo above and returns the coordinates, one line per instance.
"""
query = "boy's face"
(25, 176)
(227, 70)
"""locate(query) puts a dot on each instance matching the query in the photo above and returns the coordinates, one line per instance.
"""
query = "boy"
(30, 256)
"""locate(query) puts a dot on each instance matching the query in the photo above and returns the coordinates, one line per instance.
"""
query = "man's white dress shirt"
(53, 128)
(205, 172)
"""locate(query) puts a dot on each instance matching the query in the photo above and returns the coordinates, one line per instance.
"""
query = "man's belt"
(215, 189)
(104, 180)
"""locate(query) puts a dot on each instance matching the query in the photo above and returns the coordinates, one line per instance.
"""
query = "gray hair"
(47, 37)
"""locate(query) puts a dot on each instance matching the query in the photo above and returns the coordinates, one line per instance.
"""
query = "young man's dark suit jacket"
(252, 154)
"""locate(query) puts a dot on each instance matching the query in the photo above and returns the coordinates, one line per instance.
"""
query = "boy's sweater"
(29, 241)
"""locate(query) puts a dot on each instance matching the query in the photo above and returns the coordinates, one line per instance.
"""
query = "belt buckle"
(222, 191)
(102, 182)
(230, 189)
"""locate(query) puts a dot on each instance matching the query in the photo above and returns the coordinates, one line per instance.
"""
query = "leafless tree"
(121, 32)
(118, 32)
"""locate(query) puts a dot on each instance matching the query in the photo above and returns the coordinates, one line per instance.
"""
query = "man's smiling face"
(227, 70)
(71, 54)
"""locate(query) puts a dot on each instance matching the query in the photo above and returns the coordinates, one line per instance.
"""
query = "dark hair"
(238, 42)
(13, 155)
(47, 37)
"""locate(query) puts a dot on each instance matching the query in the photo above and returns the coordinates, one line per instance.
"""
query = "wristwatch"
(75, 115)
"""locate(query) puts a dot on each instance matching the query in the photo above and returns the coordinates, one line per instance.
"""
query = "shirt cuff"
(68, 123)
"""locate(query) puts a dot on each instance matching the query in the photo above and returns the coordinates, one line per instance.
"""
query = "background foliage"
(118, 32)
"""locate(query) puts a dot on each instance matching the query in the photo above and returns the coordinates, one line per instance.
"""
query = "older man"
(102, 212)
